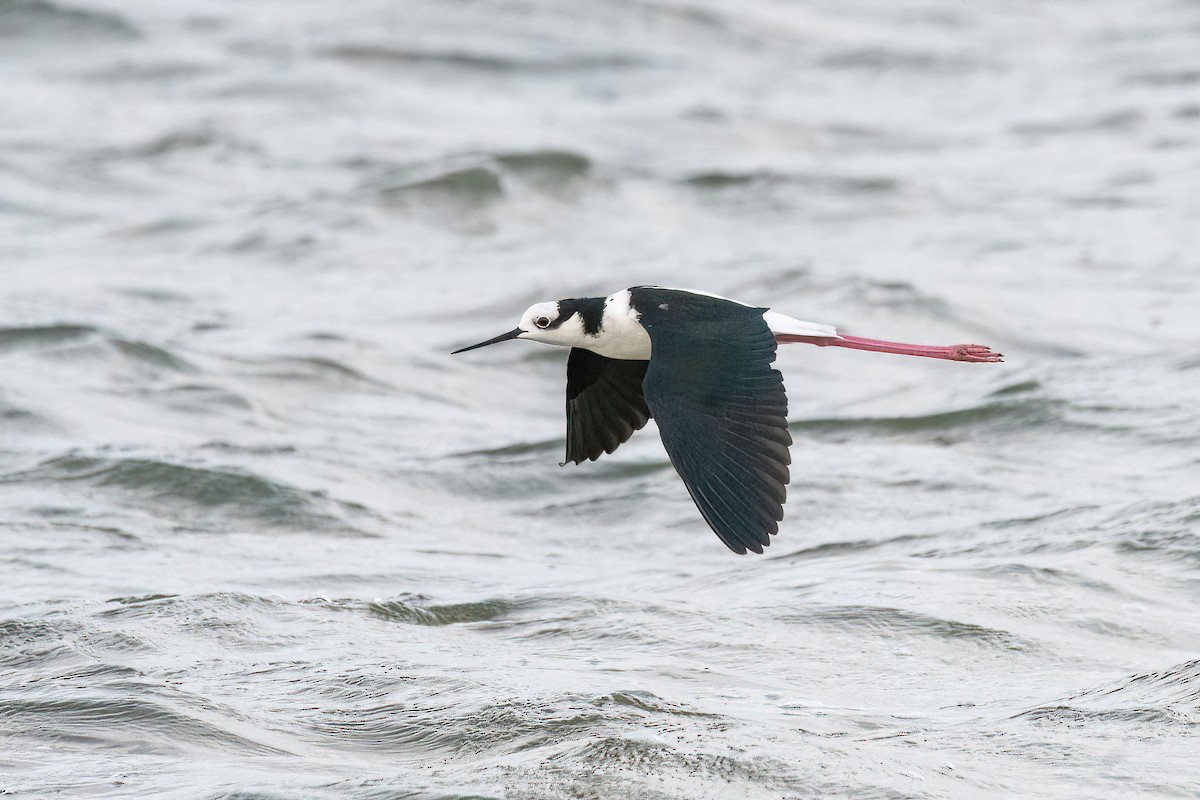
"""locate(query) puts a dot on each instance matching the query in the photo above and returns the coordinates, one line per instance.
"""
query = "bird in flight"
(700, 366)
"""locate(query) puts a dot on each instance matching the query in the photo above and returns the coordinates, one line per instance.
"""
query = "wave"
(455, 717)
(889, 59)
(1170, 697)
(831, 549)
(477, 185)
(64, 688)
(151, 355)
(1188, 111)
(13, 417)
(415, 611)
(43, 336)
(1118, 121)
(1167, 77)
(476, 182)
(170, 143)
(125, 724)
(515, 449)
(553, 171)
(886, 621)
(1021, 414)
(457, 197)
(32, 20)
(487, 63)
(757, 179)
(313, 369)
(28, 641)
(198, 398)
(63, 336)
(1168, 528)
(201, 496)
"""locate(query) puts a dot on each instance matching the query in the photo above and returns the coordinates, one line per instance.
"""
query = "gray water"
(263, 538)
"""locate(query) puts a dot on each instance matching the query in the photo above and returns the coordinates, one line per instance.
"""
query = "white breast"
(621, 335)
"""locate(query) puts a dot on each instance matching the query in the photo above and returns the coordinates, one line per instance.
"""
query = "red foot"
(975, 353)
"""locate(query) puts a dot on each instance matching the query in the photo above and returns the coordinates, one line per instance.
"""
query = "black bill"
(514, 333)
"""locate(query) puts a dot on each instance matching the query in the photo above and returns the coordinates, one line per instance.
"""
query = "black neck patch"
(589, 309)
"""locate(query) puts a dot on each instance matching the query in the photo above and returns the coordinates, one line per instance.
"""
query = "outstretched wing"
(721, 409)
(604, 403)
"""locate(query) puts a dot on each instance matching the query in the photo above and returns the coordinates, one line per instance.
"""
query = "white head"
(555, 322)
(574, 322)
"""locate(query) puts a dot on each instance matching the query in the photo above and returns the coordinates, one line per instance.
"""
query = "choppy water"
(262, 538)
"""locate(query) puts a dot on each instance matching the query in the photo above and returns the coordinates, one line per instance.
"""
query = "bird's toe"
(976, 353)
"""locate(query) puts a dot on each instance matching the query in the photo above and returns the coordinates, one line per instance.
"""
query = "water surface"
(263, 538)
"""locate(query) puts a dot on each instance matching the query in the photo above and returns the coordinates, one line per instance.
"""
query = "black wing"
(721, 409)
(604, 403)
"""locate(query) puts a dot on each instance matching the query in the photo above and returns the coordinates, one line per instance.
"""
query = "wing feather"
(721, 409)
(605, 405)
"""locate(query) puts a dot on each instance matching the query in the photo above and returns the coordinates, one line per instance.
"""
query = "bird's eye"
(542, 322)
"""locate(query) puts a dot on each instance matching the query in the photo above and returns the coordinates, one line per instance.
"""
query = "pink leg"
(976, 353)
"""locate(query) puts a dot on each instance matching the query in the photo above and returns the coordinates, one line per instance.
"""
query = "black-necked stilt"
(700, 365)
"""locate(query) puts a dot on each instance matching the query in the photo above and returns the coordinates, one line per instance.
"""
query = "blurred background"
(261, 537)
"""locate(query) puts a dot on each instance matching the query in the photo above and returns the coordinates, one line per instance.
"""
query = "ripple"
(468, 186)
(548, 170)
(415, 613)
(24, 641)
(1167, 528)
(87, 341)
(431, 722)
(888, 59)
(1152, 699)
(457, 196)
(185, 607)
(900, 622)
(1118, 121)
(43, 336)
(588, 621)
(147, 71)
(202, 399)
(648, 701)
(26, 20)
(1033, 412)
(40, 645)
(416, 610)
(459, 190)
(167, 144)
(895, 294)
(515, 449)
(238, 621)
(831, 549)
(1179, 77)
(15, 417)
(1020, 387)
(315, 369)
(447, 716)
(831, 183)
(1188, 111)
(641, 756)
(124, 724)
(194, 493)
(152, 355)
(485, 63)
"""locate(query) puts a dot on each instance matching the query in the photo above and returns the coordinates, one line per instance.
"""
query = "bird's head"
(556, 322)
